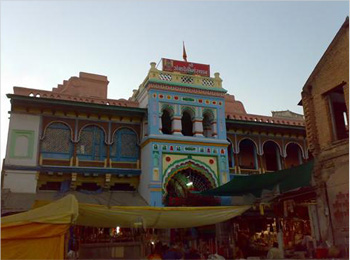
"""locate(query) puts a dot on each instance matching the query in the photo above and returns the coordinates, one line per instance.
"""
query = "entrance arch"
(184, 177)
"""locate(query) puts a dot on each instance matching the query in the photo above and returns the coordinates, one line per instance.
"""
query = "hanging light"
(189, 184)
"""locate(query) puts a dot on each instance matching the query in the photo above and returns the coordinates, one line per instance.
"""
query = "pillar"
(160, 124)
(237, 168)
(198, 127)
(176, 126)
(214, 129)
(262, 167)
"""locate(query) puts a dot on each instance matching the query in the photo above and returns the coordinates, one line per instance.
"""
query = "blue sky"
(264, 51)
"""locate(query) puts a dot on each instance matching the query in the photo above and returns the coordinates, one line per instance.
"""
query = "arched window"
(208, 124)
(231, 163)
(247, 154)
(91, 146)
(166, 122)
(187, 124)
(294, 155)
(125, 147)
(272, 156)
(56, 143)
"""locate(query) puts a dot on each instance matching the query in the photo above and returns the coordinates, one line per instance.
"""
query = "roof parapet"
(164, 77)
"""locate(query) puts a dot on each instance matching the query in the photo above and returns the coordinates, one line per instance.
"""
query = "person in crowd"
(274, 252)
(238, 254)
(173, 252)
(156, 252)
(308, 243)
(243, 242)
(192, 254)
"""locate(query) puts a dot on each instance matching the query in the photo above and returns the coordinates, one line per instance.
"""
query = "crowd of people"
(176, 251)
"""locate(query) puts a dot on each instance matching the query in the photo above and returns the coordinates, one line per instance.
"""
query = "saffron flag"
(184, 55)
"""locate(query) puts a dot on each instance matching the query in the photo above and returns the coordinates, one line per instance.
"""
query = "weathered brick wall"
(330, 157)
(332, 70)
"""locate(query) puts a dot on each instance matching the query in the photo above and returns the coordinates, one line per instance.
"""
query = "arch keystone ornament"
(189, 163)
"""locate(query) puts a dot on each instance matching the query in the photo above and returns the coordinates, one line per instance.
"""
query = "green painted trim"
(186, 85)
(18, 133)
(192, 154)
(253, 123)
(52, 101)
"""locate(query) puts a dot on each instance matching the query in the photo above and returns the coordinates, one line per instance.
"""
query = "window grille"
(125, 146)
(208, 82)
(166, 77)
(56, 140)
(187, 79)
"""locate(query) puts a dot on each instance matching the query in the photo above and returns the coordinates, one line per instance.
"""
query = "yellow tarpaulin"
(155, 217)
(63, 211)
(38, 233)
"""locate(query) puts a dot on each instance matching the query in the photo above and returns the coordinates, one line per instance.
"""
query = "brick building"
(325, 98)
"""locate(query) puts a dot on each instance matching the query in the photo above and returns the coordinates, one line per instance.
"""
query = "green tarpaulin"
(284, 180)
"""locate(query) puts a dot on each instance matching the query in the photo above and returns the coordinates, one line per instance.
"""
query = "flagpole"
(184, 55)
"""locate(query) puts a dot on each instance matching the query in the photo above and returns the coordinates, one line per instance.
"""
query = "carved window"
(56, 142)
(187, 124)
(91, 145)
(231, 163)
(125, 147)
(294, 155)
(272, 156)
(338, 113)
(247, 155)
(208, 124)
(166, 122)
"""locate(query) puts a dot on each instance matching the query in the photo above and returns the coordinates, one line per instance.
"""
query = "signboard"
(186, 67)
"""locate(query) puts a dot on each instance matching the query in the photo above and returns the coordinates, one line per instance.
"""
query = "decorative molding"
(17, 135)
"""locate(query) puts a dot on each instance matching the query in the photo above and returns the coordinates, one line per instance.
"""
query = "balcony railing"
(175, 77)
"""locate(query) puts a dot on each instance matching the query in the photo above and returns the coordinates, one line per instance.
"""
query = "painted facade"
(179, 133)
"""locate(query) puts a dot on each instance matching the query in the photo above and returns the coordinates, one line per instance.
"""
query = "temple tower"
(184, 145)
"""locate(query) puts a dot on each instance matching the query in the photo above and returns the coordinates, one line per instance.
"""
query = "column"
(198, 127)
(262, 167)
(214, 129)
(176, 126)
(160, 123)
(237, 168)
(278, 158)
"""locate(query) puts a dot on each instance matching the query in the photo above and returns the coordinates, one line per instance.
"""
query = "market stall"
(25, 234)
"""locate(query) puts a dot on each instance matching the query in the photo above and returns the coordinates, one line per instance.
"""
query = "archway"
(187, 123)
(294, 155)
(247, 155)
(184, 180)
(272, 156)
(183, 188)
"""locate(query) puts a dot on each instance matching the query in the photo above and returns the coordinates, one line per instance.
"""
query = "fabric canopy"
(38, 233)
(283, 180)
(62, 211)
(25, 235)
(152, 217)
(155, 217)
